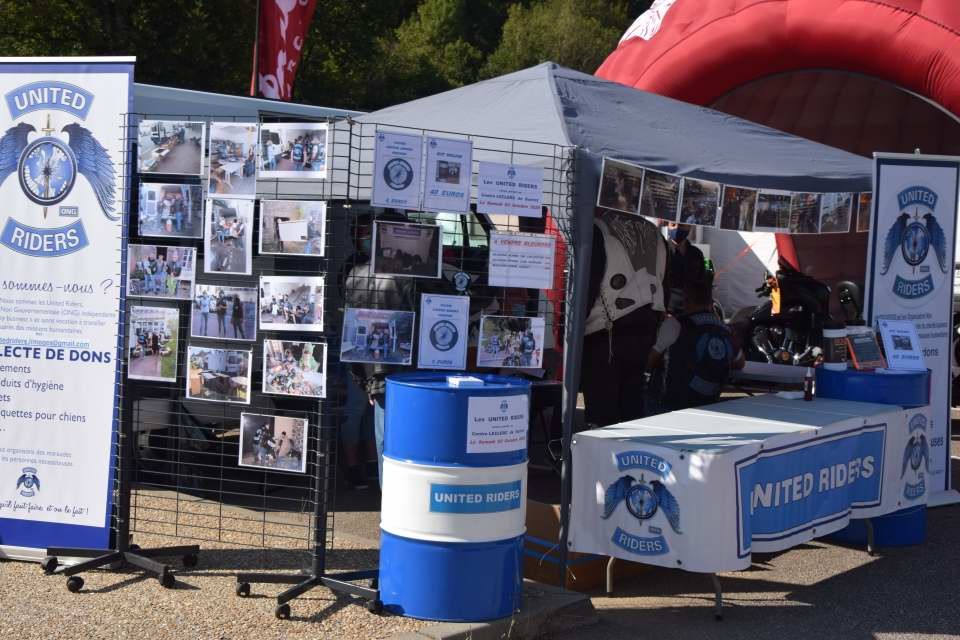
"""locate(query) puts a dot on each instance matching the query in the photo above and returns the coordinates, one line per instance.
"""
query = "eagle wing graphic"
(907, 454)
(12, 145)
(892, 243)
(93, 163)
(615, 494)
(924, 451)
(668, 504)
(22, 479)
(938, 239)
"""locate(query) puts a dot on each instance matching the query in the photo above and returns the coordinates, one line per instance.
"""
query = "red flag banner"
(282, 29)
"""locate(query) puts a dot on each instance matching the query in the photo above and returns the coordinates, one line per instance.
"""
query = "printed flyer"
(443, 332)
(521, 260)
(449, 165)
(396, 171)
(510, 190)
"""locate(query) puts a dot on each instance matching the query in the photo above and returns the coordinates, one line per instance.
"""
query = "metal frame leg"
(717, 597)
(871, 548)
(610, 574)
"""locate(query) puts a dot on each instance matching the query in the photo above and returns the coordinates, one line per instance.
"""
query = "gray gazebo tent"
(595, 118)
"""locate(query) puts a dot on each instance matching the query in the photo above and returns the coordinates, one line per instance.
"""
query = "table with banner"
(702, 489)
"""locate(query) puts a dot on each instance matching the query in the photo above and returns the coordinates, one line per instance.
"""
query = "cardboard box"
(541, 556)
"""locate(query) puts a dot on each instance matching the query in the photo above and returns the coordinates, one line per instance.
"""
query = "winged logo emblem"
(643, 500)
(913, 240)
(28, 484)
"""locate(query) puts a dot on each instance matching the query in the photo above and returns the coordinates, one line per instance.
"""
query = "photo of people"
(275, 443)
(291, 303)
(295, 368)
(152, 343)
(661, 195)
(835, 210)
(170, 147)
(228, 241)
(218, 375)
(293, 150)
(377, 335)
(293, 227)
(227, 313)
(864, 211)
(510, 342)
(448, 171)
(701, 199)
(739, 206)
(773, 211)
(155, 271)
(407, 249)
(620, 186)
(170, 210)
(805, 213)
(233, 160)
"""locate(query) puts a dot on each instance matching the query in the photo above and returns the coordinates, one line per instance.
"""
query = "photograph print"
(291, 303)
(152, 342)
(170, 210)
(864, 211)
(377, 336)
(155, 271)
(170, 147)
(224, 313)
(700, 201)
(738, 209)
(274, 443)
(510, 342)
(295, 368)
(661, 196)
(228, 237)
(233, 160)
(805, 213)
(835, 211)
(773, 211)
(218, 375)
(293, 150)
(293, 227)
(407, 249)
(620, 186)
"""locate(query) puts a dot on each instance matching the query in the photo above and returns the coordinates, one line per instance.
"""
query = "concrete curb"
(545, 609)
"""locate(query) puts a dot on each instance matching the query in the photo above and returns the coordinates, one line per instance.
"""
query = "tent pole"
(583, 188)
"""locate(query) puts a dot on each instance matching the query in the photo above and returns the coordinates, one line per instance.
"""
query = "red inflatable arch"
(861, 75)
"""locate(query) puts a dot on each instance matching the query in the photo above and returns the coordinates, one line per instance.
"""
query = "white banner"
(449, 165)
(63, 154)
(443, 332)
(396, 171)
(521, 260)
(910, 260)
(510, 190)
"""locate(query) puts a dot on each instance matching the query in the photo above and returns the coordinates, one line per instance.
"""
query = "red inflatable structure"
(861, 75)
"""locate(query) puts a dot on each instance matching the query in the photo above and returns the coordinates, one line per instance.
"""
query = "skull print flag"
(63, 154)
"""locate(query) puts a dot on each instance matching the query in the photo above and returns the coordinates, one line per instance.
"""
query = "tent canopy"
(551, 104)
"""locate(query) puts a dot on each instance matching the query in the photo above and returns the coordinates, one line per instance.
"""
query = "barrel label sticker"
(475, 498)
(497, 424)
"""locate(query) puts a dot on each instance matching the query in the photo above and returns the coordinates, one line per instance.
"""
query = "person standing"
(236, 318)
(204, 311)
(221, 315)
(686, 266)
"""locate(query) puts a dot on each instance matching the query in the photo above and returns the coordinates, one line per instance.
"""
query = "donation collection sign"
(910, 266)
(62, 159)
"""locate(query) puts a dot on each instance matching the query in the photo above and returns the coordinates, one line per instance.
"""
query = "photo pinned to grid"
(232, 172)
(293, 227)
(621, 185)
(224, 313)
(738, 208)
(152, 343)
(864, 211)
(835, 212)
(295, 368)
(170, 147)
(291, 303)
(218, 375)
(700, 202)
(228, 237)
(293, 150)
(773, 211)
(660, 195)
(804, 213)
(161, 272)
(408, 249)
(170, 210)
(273, 443)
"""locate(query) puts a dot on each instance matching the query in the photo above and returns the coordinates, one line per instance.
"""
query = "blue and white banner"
(63, 153)
(910, 267)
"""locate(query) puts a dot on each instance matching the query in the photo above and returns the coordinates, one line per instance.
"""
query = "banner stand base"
(142, 559)
(943, 498)
(336, 582)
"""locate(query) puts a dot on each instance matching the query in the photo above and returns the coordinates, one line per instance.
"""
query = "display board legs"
(134, 556)
(717, 597)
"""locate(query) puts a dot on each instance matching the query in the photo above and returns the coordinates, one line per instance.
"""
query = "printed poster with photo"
(449, 167)
(738, 209)
(273, 443)
(293, 227)
(218, 375)
(443, 332)
(170, 210)
(407, 249)
(377, 336)
(152, 342)
(224, 313)
(700, 201)
(510, 190)
(773, 211)
(835, 212)
(228, 237)
(511, 342)
(295, 368)
(524, 260)
(660, 196)
(805, 213)
(293, 150)
(156, 271)
(621, 184)
(396, 171)
(291, 303)
(233, 160)
(864, 209)
(170, 147)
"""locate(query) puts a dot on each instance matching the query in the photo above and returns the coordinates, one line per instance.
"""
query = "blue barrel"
(453, 510)
(910, 390)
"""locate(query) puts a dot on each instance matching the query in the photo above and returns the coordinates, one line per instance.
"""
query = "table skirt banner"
(748, 484)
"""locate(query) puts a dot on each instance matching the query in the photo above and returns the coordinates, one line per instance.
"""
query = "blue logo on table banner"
(912, 236)
(627, 460)
(916, 458)
(475, 498)
(43, 243)
(791, 489)
(28, 483)
(638, 545)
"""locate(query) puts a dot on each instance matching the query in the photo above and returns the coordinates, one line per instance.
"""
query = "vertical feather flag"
(282, 27)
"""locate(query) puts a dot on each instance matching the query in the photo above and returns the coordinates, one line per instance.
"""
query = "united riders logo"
(48, 151)
(909, 242)
(916, 458)
(644, 500)
(28, 484)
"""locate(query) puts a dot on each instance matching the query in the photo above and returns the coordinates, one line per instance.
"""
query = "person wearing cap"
(686, 266)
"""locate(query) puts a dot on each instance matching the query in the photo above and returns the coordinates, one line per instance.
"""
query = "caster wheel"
(374, 583)
(190, 561)
(167, 580)
(134, 547)
(49, 565)
(74, 584)
(375, 606)
(243, 589)
(282, 612)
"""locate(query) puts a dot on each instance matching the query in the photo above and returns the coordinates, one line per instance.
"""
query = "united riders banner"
(63, 152)
(281, 32)
(910, 267)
